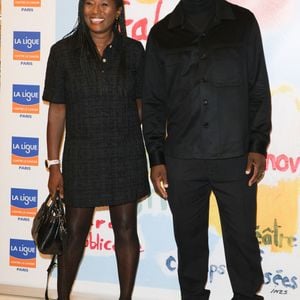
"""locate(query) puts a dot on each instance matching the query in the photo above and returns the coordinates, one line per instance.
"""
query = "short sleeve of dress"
(140, 59)
(54, 80)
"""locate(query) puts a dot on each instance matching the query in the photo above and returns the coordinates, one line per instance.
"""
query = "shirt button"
(205, 101)
(104, 60)
(205, 125)
(110, 46)
(203, 34)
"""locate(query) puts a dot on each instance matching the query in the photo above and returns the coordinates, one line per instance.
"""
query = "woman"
(93, 84)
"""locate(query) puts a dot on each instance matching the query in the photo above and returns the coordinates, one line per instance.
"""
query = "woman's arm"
(55, 131)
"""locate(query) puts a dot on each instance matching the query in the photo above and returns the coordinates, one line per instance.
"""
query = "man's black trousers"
(191, 183)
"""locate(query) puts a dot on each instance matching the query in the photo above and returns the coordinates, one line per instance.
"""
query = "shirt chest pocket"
(181, 61)
(226, 67)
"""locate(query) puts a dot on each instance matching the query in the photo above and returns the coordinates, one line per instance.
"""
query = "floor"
(7, 292)
(78, 297)
(21, 293)
(5, 297)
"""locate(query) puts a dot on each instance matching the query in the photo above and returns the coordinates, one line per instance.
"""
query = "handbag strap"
(49, 271)
(53, 262)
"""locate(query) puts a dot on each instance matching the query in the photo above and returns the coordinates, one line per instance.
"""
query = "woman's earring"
(117, 23)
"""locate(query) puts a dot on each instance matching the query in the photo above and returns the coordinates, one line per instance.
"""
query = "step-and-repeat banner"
(29, 27)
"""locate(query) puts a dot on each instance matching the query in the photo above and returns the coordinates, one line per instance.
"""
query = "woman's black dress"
(104, 160)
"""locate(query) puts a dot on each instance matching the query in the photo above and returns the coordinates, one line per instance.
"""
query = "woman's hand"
(55, 182)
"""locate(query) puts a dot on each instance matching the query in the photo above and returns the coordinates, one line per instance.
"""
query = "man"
(206, 122)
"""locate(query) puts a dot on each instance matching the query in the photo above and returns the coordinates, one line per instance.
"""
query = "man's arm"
(154, 117)
(259, 94)
(259, 106)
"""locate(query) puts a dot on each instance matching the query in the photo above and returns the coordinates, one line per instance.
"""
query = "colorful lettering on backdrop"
(140, 27)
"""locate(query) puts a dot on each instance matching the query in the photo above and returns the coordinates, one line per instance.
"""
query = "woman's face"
(100, 15)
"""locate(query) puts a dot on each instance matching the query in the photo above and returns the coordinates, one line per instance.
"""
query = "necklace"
(102, 47)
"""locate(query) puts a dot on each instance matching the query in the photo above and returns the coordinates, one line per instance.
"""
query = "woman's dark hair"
(82, 28)
(82, 33)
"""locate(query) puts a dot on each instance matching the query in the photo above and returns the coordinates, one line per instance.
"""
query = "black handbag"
(49, 230)
(49, 226)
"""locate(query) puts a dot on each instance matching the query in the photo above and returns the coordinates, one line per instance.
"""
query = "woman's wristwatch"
(51, 162)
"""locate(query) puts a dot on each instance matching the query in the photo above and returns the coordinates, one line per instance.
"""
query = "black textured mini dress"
(104, 160)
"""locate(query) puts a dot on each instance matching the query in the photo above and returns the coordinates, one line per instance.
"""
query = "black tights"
(127, 248)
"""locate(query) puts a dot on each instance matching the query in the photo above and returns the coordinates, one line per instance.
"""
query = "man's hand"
(257, 165)
(159, 180)
(55, 182)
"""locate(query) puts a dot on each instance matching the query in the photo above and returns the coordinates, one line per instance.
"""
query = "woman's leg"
(127, 247)
(78, 224)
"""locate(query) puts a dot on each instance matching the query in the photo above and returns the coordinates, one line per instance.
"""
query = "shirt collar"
(116, 42)
(223, 12)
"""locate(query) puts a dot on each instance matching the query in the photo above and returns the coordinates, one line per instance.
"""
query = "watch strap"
(51, 162)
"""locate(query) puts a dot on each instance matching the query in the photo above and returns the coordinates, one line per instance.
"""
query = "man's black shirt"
(206, 94)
